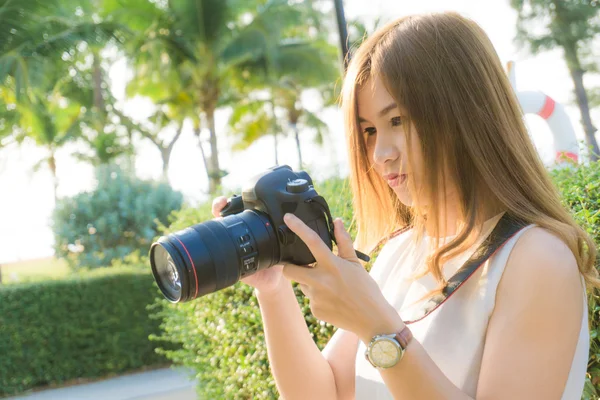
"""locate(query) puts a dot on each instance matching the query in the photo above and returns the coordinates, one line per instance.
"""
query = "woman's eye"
(370, 131)
(396, 121)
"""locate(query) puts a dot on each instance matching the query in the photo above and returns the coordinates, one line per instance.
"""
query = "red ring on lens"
(193, 266)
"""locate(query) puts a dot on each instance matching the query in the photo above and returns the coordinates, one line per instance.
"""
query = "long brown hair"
(443, 70)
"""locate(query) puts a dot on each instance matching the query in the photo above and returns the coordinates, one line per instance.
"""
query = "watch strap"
(404, 337)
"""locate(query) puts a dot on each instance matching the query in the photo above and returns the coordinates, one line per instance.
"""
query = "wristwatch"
(385, 351)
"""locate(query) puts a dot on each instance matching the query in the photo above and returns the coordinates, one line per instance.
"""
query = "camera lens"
(213, 255)
(167, 271)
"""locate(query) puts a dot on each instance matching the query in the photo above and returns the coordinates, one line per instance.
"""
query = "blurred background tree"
(570, 25)
(122, 215)
(190, 58)
(296, 57)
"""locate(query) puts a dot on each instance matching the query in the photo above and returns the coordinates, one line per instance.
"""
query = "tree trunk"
(97, 75)
(131, 156)
(214, 176)
(275, 145)
(582, 99)
(204, 161)
(165, 153)
(297, 137)
(52, 165)
(274, 127)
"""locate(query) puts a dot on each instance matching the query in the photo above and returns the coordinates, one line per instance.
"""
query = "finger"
(217, 205)
(296, 273)
(344, 241)
(313, 241)
(305, 289)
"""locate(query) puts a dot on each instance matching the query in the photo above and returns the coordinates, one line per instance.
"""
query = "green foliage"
(35, 34)
(117, 218)
(580, 190)
(565, 22)
(222, 335)
(570, 25)
(86, 326)
(195, 56)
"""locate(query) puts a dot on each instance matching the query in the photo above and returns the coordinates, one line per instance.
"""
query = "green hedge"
(91, 325)
(580, 190)
(222, 335)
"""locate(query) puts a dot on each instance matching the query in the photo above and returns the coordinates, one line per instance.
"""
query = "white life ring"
(566, 148)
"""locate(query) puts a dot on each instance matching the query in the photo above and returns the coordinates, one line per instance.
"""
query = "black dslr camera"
(250, 236)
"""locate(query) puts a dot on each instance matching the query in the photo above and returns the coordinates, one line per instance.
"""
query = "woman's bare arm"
(340, 352)
(531, 338)
(299, 368)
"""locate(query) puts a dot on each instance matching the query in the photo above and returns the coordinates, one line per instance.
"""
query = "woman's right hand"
(265, 281)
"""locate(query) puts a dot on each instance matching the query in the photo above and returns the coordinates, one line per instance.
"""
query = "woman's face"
(384, 130)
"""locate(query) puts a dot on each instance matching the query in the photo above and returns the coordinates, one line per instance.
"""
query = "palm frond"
(245, 110)
(249, 131)
(250, 45)
(205, 21)
(312, 120)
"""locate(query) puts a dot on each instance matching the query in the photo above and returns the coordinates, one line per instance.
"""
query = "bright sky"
(26, 202)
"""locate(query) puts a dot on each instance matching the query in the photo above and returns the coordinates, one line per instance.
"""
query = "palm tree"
(50, 120)
(163, 119)
(9, 116)
(202, 43)
(312, 65)
(291, 68)
(35, 34)
(42, 45)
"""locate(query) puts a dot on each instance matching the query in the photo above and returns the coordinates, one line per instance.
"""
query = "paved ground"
(161, 384)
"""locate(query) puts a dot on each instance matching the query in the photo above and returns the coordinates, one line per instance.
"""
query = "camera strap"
(320, 202)
(506, 228)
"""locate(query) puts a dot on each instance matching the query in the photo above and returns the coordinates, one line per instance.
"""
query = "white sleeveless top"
(454, 334)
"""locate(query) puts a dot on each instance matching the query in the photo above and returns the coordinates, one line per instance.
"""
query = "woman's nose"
(385, 151)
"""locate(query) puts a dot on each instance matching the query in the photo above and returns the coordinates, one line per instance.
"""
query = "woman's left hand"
(340, 290)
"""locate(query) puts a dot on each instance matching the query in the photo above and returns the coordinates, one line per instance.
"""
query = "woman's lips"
(395, 180)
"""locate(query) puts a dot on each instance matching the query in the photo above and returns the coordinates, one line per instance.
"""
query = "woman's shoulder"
(540, 261)
(539, 251)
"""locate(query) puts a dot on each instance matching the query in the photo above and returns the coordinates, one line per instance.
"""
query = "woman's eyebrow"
(387, 109)
(381, 113)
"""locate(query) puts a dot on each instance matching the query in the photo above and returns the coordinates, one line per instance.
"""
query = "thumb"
(217, 205)
(344, 241)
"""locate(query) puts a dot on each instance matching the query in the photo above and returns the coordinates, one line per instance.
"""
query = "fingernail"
(287, 217)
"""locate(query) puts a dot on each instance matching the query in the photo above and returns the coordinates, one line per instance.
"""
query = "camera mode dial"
(297, 186)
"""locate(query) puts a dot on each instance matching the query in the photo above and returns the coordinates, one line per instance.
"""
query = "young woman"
(437, 146)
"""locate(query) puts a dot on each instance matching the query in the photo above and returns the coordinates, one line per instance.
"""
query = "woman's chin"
(404, 197)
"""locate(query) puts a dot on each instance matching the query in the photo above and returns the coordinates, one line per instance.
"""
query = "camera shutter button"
(297, 186)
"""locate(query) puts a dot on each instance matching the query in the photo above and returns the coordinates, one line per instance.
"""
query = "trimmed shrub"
(87, 326)
(580, 189)
(222, 334)
(117, 218)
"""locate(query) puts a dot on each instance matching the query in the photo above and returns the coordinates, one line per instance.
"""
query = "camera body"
(278, 191)
(250, 236)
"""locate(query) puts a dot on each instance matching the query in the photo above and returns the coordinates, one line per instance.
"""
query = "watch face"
(385, 353)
